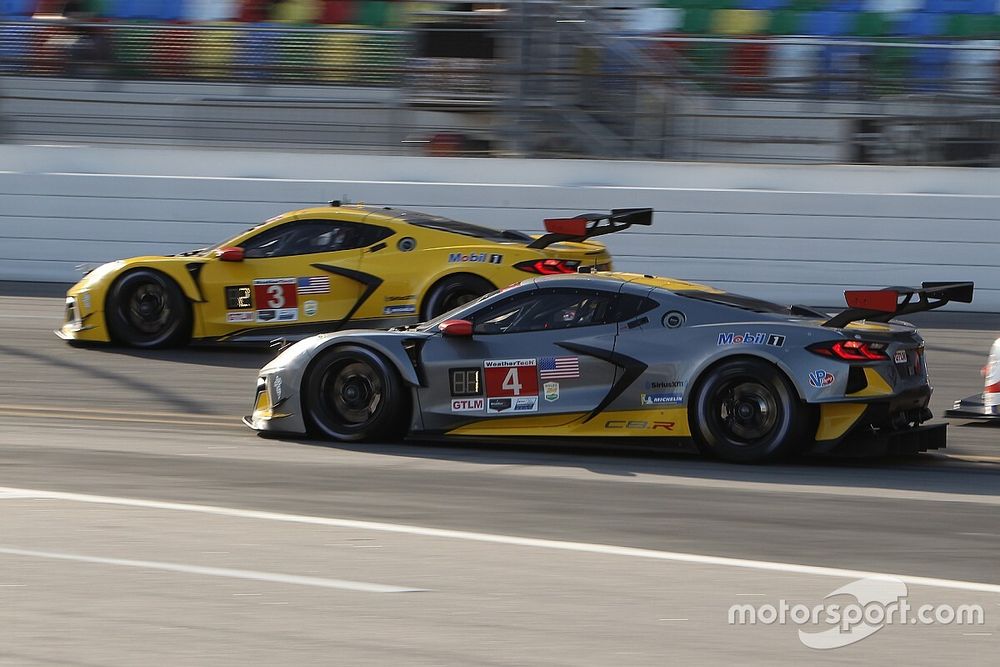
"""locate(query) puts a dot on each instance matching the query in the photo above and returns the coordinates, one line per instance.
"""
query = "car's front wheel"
(745, 410)
(147, 309)
(353, 393)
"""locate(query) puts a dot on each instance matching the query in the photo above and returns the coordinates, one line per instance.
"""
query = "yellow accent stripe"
(836, 418)
(672, 284)
(658, 423)
(877, 386)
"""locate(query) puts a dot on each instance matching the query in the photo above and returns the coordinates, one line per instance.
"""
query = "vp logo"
(821, 378)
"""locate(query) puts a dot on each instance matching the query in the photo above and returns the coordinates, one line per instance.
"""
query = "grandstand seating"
(910, 45)
(306, 12)
(931, 45)
(265, 39)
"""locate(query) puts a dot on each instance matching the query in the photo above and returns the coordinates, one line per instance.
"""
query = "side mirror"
(456, 328)
(234, 254)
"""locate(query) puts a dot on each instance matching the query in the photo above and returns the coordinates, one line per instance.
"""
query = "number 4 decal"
(511, 377)
(510, 382)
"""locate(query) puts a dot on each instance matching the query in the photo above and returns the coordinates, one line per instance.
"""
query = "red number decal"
(275, 294)
(511, 380)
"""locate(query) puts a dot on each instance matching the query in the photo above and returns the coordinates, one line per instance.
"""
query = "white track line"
(537, 543)
(272, 577)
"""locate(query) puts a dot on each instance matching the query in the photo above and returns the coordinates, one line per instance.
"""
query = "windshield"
(229, 241)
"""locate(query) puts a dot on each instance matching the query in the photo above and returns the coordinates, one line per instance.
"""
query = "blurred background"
(902, 82)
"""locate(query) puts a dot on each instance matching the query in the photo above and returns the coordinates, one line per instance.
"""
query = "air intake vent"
(856, 380)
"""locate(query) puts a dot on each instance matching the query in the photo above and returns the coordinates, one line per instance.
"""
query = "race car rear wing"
(884, 304)
(588, 225)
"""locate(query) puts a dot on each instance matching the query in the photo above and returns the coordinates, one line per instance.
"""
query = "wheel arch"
(702, 371)
(441, 277)
(177, 273)
(396, 355)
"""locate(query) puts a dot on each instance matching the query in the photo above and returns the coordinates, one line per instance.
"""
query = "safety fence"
(531, 84)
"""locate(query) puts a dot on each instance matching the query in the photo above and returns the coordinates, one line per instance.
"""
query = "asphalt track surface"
(141, 523)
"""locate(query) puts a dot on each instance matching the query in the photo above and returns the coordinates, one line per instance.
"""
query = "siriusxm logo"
(774, 340)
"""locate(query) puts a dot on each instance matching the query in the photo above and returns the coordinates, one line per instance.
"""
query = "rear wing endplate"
(588, 225)
(884, 304)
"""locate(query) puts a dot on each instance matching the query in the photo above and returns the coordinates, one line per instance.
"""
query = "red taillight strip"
(848, 350)
(547, 267)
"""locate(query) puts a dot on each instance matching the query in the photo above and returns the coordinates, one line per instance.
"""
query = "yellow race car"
(320, 269)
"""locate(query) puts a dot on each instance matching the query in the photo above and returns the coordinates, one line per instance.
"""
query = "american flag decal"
(555, 368)
(314, 285)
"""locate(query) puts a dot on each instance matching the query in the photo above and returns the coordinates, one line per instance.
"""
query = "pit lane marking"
(254, 575)
(512, 540)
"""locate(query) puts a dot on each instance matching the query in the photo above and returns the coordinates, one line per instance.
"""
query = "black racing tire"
(147, 309)
(453, 291)
(352, 393)
(746, 410)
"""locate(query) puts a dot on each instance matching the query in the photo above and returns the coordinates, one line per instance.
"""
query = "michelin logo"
(661, 399)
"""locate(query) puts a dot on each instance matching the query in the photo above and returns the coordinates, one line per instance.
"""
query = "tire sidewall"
(392, 415)
(784, 436)
(121, 330)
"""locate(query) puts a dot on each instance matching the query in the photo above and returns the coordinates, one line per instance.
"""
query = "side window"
(372, 234)
(629, 306)
(545, 309)
(304, 237)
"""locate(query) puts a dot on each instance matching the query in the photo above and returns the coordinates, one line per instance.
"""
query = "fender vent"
(412, 347)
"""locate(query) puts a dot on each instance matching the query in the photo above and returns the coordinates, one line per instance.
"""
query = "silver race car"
(618, 355)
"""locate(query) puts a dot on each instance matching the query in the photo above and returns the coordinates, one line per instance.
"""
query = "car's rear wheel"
(745, 410)
(147, 309)
(452, 292)
(353, 393)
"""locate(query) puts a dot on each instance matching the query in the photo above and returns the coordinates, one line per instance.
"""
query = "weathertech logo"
(639, 425)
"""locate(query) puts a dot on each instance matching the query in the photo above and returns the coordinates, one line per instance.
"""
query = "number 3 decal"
(275, 293)
(276, 296)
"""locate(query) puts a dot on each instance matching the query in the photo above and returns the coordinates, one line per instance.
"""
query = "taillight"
(850, 350)
(548, 267)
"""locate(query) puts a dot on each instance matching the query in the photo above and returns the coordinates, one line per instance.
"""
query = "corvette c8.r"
(611, 355)
(320, 269)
